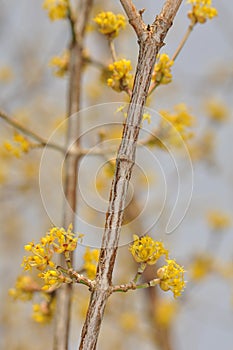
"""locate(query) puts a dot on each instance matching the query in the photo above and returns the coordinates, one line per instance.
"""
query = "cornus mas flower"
(121, 76)
(22, 145)
(57, 240)
(43, 312)
(57, 9)
(218, 220)
(146, 250)
(90, 258)
(60, 63)
(109, 23)
(53, 278)
(201, 11)
(25, 286)
(172, 278)
(162, 70)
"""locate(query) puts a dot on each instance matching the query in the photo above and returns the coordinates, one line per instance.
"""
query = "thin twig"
(43, 142)
(183, 41)
(112, 49)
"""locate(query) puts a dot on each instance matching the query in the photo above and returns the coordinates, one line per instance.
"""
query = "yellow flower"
(120, 77)
(162, 70)
(178, 127)
(57, 9)
(57, 240)
(110, 24)
(165, 312)
(216, 110)
(60, 63)
(25, 286)
(91, 258)
(52, 278)
(146, 250)
(201, 11)
(43, 312)
(172, 277)
(201, 266)
(218, 220)
(22, 145)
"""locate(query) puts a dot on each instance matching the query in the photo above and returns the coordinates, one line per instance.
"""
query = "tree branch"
(62, 320)
(43, 142)
(150, 41)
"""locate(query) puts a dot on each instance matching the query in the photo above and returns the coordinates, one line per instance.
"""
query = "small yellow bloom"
(25, 286)
(172, 278)
(57, 9)
(201, 266)
(22, 145)
(43, 312)
(162, 70)
(201, 11)
(110, 24)
(165, 312)
(91, 258)
(216, 110)
(120, 75)
(60, 63)
(178, 127)
(218, 220)
(146, 250)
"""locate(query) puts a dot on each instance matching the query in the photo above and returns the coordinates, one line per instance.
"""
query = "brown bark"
(150, 41)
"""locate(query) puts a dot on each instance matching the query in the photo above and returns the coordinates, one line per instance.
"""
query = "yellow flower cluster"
(201, 11)
(216, 110)
(165, 312)
(218, 220)
(57, 9)
(175, 125)
(201, 266)
(57, 240)
(120, 75)
(43, 312)
(60, 63)
(25, 286)
(110, 24)
(52, 278)
(91, 258)
(146, 250)
(162, 70)
(172, 278)
(22, 145)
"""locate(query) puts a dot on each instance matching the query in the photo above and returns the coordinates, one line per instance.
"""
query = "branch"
(43, 142)
(135, 17)
(150, 41)
(62, 320)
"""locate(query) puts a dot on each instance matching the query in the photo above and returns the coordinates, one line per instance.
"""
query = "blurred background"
(201, 238)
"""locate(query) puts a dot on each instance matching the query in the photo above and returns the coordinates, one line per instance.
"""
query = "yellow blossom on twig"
(90, 258)
(25, 286)
(201, 11)
(57, 9)
(120, 75)
(22, 145)
(60, 64)
(162, 70)
(43, 312)
(218, 220)
(146, 250)
(172, 278)
(110, 24)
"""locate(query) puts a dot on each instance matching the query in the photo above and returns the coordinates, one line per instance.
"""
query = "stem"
(149, 44)
(64, 293)
(43, 142)
(183, 41)
(112, 49)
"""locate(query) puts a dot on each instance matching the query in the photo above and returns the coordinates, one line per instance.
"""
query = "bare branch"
(134, 16)
(42, 142)
(150, 42)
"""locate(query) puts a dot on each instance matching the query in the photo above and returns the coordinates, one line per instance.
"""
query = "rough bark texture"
(150, 41)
